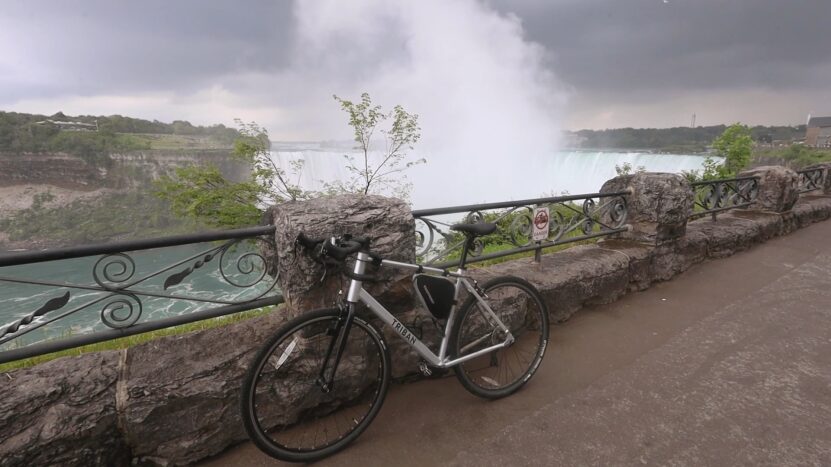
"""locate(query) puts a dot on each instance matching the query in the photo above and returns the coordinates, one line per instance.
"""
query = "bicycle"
(321, 379)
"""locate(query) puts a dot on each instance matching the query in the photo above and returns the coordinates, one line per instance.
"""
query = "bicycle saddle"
(477, 230)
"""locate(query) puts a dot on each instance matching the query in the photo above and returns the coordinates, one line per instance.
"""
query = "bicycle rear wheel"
(502, 372)
(287, 414)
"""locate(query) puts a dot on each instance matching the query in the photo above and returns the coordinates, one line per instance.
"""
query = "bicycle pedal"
(424, 368)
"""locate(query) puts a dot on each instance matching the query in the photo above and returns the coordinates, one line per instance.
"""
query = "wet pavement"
(727, 364)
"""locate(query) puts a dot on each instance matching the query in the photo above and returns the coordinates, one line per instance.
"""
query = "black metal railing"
(115, 283)
(96, 293)
(571, 219)
(811, 179)
(714, 196)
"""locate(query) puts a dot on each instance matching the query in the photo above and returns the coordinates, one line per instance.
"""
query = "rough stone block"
(179, 395)
(570, 279)
(658, 206)
(778, 187)
(770, 224)
(62, 412)
(673, 258)
(387, 222)
(640, 258)
(818, 209)
(729, 235)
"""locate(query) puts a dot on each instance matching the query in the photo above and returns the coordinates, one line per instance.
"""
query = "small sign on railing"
(541, 219)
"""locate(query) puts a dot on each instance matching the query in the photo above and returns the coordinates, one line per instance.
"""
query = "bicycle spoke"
(298, 421)
(520, 308)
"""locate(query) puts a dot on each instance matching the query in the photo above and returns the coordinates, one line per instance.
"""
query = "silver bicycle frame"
(358, 294)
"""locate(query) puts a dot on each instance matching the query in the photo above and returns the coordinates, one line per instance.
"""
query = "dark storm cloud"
(90, 47)
(623, 62)
(641, 46)
(631, 46)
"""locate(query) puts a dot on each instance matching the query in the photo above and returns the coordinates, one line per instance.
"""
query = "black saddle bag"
(436, 294)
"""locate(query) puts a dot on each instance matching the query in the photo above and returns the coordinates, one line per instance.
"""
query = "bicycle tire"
(519, 305)
(282, 404)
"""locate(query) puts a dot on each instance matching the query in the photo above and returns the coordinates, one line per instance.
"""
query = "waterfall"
(446, 181)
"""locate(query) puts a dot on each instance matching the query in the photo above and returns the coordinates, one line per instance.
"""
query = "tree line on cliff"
(94, 137)
(679, 139)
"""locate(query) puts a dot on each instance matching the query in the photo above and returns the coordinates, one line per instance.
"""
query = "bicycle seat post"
(469, 239)
(471, 231)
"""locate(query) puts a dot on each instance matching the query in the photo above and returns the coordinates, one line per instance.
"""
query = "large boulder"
(62, 412)
(387, 222)
(778, 188)
(657, 207)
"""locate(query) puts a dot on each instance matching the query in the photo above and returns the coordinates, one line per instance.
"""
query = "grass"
(495, 247)
(525, 254)
(796, 156)
(125, 342)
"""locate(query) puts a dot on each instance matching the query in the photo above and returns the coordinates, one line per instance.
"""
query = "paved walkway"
(728, 364)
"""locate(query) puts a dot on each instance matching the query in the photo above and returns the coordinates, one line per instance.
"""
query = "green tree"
(627, 168)
(203, 193)
(402, 134)
(734, 145)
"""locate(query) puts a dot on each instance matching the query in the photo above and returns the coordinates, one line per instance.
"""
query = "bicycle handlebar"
(342, 249)
(338, 248)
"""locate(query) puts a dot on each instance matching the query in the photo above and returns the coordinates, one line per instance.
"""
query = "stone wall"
(174, 400)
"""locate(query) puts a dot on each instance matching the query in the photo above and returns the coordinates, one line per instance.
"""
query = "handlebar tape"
(344, 246)
(340, 252)
(307, 242)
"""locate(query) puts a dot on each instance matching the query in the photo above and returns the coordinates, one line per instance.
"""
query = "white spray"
(488, 104)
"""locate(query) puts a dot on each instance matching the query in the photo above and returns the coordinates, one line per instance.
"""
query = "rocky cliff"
(113, 171)
(43, 196)
(56, 169)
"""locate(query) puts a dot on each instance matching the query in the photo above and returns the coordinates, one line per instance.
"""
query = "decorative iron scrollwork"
(177, 278)
(571, 218)
(250, 264)
(51, 305)
(112, 270)
(811, 179)
(121, 311)
(713, 196)
(123, 287)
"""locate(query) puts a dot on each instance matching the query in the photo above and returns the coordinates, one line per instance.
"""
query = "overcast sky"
(521, 66)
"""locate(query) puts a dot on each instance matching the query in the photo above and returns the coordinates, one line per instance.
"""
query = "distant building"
(818, 134)
(69, 125)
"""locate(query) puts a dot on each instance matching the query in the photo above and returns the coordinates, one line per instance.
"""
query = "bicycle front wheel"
(288, 414)
(522, 310)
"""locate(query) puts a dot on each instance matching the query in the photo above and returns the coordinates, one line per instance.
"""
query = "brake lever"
(323, 276)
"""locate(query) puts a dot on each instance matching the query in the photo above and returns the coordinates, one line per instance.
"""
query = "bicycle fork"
(336, 345)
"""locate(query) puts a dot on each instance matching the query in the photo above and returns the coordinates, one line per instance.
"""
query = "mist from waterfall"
(572, 172)
(489, 103)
